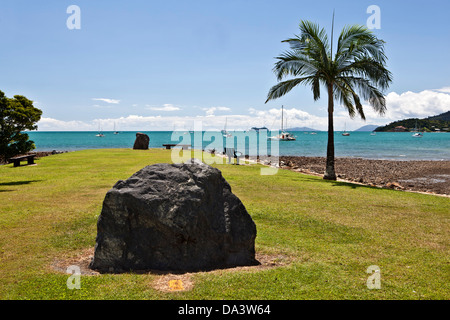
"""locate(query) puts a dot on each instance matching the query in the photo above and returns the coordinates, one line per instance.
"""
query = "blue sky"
(159, 65)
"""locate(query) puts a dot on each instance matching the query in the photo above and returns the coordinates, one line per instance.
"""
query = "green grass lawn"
(328, 232)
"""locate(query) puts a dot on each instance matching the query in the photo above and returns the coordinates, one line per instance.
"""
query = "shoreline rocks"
(414, 175)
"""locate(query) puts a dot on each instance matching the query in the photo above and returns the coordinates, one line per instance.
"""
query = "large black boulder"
(180, 217)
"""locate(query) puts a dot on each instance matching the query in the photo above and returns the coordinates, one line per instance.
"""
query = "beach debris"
(394, 185)
(180, 217)
(141, 142)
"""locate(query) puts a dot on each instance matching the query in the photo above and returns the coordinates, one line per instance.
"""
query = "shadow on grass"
(16, 183)
(347, 184)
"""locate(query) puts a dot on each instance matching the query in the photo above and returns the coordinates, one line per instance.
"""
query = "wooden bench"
(232, 153)
(16, 160)
(170, 145)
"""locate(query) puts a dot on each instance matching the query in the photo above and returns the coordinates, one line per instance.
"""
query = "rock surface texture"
(180, 217)
(142, 141)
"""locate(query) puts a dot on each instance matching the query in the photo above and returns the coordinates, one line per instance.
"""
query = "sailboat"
(345, 133)
(224, 131)
(417, 134)
(115, 132)
(283, 136)
(99, 134)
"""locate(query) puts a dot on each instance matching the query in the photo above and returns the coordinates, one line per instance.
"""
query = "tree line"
(412, 124)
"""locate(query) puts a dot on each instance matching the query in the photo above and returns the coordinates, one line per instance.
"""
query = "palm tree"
(356, 70)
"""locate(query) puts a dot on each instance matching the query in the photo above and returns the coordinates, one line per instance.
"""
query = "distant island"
(301, 129)
(439, 123)
(369, 127)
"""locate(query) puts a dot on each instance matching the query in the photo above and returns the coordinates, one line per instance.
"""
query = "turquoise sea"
(383, 145)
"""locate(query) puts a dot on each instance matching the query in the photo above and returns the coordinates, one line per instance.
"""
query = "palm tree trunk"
(329, 170)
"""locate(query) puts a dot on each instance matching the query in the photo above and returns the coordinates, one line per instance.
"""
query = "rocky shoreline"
(421, 175)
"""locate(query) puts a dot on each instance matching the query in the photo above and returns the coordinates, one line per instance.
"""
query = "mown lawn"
(328, 232)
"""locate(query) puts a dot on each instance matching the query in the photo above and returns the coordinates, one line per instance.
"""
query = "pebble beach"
(413, 175)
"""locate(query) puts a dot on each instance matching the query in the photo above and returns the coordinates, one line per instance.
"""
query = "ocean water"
(383, 145)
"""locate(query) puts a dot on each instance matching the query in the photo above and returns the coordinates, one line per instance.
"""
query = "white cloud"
(210, 111)
(269, 118)
(399, 106)
(445, 90)
(417, 104)
(50, 124)
(166, 107)
(113, 101)
(292, 118)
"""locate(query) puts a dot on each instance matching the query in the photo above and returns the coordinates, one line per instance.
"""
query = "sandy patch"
(169, 281)
(81, 260)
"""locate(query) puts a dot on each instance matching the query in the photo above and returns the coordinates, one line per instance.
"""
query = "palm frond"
(367, 91)
(312, 41)
(343, 93)
(293, 64)
(316, 86)
(368, 68)
(281, 88)
(356, 42)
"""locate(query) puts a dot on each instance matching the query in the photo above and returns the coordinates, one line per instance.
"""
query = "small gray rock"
(142, 141)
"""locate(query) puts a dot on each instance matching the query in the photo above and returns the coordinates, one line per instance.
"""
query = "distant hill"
(443, 117)
(369, 127)
(301, 129)
(440, 122)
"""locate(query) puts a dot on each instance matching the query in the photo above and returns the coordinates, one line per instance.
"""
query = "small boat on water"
(345, 133)
(417, 133)
(99, 134)
(283, 136)
(224, 131)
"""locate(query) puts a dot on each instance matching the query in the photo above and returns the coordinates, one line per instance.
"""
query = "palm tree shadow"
(347, 184)
(16, 183)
